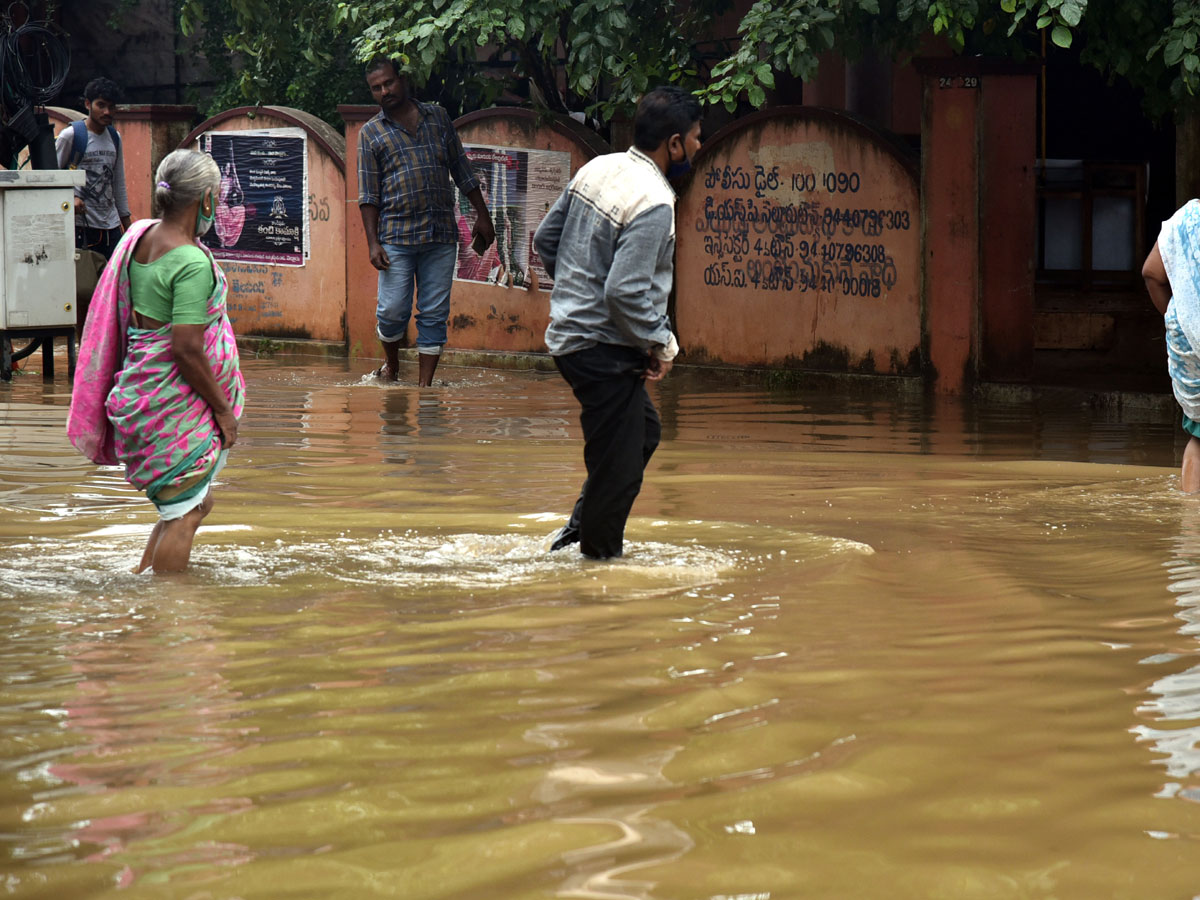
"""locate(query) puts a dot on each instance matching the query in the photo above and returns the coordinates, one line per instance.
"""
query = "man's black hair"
(381, 62)
(661, 113)
(102, 87)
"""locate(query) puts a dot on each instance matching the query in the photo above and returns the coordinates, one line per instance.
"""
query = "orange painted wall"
(294, 301)
(148, 133)
(798, 244)
(361, 278)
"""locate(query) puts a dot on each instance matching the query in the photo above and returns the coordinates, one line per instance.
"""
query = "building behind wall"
(1107, 184)
(136, 45)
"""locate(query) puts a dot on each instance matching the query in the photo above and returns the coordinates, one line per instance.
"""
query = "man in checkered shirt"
(407, 154)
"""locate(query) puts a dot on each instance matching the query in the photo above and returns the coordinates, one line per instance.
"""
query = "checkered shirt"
(406, 175)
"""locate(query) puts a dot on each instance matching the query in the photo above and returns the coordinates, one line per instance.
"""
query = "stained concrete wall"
(306, 301)
(798, 244)
(799, 237)
(145, 54)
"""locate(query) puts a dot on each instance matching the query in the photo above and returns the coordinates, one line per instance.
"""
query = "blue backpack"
(79, 141)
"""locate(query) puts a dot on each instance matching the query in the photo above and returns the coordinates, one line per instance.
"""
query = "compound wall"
(799, 244)
(308, 301)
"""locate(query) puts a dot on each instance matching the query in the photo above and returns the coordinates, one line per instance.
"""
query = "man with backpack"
(94, 145)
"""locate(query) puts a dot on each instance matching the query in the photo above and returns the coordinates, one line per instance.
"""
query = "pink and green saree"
(130, 404)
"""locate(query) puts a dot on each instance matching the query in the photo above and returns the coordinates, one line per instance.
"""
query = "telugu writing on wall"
(770, 227)
(252, 293)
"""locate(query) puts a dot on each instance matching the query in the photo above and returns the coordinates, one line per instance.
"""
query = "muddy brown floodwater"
(858, 648)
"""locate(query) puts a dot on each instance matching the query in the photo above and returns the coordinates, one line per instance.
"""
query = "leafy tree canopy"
(599, 55)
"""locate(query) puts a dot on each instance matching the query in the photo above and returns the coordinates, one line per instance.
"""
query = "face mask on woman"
(204, 222)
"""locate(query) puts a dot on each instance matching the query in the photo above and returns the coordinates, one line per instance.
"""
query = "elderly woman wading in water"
(158, 387)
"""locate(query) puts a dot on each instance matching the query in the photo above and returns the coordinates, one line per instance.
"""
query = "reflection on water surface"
(857, 648)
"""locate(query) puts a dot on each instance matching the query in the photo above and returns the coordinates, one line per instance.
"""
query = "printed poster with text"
(519, 187)
(262, 208)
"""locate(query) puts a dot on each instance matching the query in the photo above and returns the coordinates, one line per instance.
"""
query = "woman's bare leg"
(148, 556)
(1190, 476)
(174, 548)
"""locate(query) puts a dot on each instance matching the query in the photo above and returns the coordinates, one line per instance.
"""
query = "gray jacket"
(609, 243)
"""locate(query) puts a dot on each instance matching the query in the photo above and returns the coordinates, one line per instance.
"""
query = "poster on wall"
(519, 187)
(262, 208)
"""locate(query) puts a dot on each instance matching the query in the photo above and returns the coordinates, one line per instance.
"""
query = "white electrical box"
(37, 237)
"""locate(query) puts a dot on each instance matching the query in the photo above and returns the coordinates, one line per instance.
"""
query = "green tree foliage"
(790, 35)
(598, 55)
(274, 52)
(577, 54)
(1151, 43)
(593, 55)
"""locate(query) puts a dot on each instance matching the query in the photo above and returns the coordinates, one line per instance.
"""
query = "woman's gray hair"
(184, 177)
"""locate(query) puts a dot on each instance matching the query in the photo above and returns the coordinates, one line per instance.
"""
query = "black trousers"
(103, 240)
(621, 429)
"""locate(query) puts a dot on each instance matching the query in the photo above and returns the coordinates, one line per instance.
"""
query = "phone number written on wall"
(756, 242)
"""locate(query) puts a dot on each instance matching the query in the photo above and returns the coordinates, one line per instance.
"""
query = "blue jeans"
(431, 268)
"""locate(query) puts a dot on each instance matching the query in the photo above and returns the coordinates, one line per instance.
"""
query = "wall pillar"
(950, 226)
(361, 278)
(148, 133)
(979, 215)
(1008, 213)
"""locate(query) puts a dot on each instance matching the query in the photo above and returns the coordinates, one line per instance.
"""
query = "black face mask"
(679, 169)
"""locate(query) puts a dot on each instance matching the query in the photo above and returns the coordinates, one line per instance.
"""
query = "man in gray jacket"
(609, 244)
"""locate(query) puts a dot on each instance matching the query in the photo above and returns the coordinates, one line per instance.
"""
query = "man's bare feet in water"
(384, 373)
